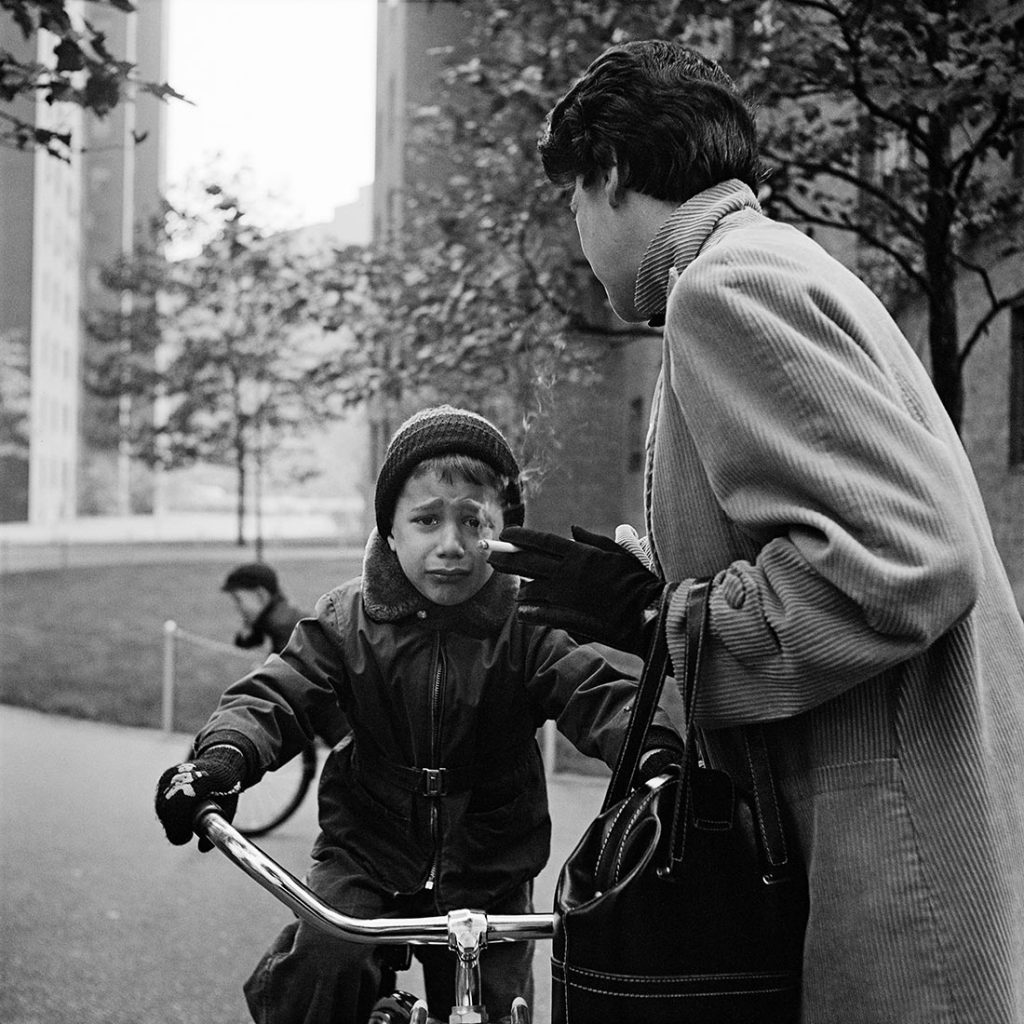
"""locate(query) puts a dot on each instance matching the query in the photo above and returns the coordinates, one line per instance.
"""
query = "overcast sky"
(282, 87)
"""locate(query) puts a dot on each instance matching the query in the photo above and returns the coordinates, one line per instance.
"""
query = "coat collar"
(388, 596)
(680, 239)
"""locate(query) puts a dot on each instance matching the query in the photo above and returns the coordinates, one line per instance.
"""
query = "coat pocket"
(872, 949)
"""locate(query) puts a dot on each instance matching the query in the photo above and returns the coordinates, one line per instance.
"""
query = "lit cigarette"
(499, 545)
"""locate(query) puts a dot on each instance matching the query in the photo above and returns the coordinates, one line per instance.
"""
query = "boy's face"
(435, 532)
(250, 603)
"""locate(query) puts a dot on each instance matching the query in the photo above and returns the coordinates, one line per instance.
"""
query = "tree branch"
(859, 88)
(963, 166)
(862, 232)
(981, 327)
(887, 199)
(981, 271)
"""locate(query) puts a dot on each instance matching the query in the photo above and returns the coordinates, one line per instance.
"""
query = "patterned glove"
(589, 586)
(217, 773)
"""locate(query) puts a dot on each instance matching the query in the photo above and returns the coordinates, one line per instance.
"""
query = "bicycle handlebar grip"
(203, 811)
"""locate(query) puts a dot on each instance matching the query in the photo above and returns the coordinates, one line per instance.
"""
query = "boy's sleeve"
(589, 690)
(269, 713)
(247, 638)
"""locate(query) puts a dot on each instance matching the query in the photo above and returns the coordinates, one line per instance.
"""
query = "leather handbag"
(682, 902)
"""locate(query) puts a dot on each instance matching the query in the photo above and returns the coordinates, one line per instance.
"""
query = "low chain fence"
(179, 642)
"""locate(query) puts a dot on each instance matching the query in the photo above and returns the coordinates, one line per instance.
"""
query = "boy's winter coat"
(442, 779)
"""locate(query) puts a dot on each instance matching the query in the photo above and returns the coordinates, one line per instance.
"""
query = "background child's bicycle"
(277, 796)
(465, 932)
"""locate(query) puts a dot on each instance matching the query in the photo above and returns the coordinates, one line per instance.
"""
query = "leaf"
(69, 56)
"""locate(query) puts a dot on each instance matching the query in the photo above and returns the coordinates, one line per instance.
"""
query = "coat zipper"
(436, 708)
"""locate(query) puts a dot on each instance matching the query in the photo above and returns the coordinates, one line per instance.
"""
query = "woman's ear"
(391, 541)
(612, 189)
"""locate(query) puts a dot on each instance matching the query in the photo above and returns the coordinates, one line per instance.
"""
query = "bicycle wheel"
(277, 796)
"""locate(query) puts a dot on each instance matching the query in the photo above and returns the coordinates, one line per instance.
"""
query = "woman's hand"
(589, 586)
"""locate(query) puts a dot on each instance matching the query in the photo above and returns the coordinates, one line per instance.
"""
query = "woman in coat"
(799, 456)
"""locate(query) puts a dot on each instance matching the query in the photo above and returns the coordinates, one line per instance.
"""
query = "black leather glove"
(589, 586)
(216, 774)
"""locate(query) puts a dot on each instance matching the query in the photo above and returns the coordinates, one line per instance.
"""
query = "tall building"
(40, 234)
(59, 223)
(122, 184)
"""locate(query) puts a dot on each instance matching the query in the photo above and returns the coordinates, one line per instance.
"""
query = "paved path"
(103, 922)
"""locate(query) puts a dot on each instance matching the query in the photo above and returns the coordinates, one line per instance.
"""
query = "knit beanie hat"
(250, 576)
(445, 430)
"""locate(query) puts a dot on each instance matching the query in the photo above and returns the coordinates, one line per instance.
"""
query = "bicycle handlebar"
(280, 883)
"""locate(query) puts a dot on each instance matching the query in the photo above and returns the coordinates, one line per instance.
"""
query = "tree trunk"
(258, 500)
(940, 268)
(240, 457)
(944, 346)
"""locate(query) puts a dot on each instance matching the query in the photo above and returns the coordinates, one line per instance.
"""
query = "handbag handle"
(652, 679)
(645, 703)
(762, 782)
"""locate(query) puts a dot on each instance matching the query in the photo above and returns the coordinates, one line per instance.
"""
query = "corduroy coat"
(799, 455)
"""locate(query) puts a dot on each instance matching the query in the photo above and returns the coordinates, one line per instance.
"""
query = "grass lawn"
(87, 641)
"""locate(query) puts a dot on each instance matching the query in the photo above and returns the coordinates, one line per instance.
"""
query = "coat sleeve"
(845, 480)
(588, 690)
(270, 713)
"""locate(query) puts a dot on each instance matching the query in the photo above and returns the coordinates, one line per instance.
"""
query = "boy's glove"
(589, 586)
(658, 761)
(217, 773)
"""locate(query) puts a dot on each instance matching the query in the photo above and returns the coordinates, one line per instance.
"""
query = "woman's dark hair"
(671, 120)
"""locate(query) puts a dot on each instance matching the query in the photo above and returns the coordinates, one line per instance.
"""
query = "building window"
(636, 436)
(1017, 387)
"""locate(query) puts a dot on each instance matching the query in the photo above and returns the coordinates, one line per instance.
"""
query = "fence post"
(167, 701)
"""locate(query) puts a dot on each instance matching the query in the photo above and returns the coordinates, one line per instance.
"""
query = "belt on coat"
(441, 781)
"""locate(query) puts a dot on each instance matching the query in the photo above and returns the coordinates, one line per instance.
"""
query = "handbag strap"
(762, 783)
(645, 703)
(652, 679)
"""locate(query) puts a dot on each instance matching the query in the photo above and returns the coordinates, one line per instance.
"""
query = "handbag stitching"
(782, 982)
(622, 846)
(679, 821)
(606, 838)
(710, 976)
(760, 814)
(731, 994)
(714, 824)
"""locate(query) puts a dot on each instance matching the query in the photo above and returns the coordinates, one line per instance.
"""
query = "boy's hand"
(216, 773)
(658, 761)
(589, 586)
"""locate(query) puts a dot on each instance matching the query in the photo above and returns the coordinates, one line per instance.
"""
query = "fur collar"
(388, 596)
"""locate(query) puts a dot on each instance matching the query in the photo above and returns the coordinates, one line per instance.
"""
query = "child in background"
(268, 616)
(439, 801)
